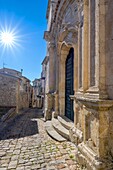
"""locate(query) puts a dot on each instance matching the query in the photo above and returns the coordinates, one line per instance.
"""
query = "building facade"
(79, 82)
(15, 89)
(37, 93)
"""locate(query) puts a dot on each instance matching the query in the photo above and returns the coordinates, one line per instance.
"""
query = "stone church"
(79, 76)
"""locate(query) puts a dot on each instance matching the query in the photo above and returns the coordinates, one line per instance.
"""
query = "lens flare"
(7, 38)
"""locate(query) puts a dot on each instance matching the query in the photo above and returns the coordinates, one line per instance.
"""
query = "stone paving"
(24, 145)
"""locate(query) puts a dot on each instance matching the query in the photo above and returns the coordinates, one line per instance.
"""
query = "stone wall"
(109, 49)
(8, 90)
(14, 92)
(23, 101)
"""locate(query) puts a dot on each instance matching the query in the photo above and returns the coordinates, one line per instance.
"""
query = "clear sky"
(27, 20)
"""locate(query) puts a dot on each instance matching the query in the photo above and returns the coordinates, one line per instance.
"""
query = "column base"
(94, 93)
(48, 115)
(89, 159)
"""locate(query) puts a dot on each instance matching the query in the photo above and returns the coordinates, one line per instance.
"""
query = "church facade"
(79, 75)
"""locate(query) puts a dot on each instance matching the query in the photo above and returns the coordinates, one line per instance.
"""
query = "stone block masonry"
(8, 90)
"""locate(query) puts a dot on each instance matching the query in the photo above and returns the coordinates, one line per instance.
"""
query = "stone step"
(60, 129)
(53, 133)
(67, 123)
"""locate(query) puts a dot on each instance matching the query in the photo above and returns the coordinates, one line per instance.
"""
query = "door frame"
(70, 102)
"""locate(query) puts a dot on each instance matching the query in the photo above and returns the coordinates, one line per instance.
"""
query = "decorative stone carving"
(71, 14)
(47, 36)
(76, 135)
(95, 147)
(71, 38)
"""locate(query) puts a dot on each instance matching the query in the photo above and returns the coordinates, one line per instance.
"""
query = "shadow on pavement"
(23, 125)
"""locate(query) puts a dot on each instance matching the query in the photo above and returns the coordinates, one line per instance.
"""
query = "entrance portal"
(69, 87)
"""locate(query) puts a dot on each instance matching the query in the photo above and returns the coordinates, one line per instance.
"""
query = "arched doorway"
(69, 84)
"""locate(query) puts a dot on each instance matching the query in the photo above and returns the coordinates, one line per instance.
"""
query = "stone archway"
(64, 52)
(62, 60)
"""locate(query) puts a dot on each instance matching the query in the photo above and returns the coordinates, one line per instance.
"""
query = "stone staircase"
(58, 129)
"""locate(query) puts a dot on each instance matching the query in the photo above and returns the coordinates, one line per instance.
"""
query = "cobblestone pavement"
(24, 145)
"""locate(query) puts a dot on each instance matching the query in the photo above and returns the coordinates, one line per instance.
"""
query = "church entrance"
(69, 85)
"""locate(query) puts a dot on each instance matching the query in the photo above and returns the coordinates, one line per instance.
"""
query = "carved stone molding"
(47, 36)
(96, 104)
(51, 45)
(68, 35)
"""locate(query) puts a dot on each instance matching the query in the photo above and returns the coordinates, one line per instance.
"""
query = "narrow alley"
(24, 144)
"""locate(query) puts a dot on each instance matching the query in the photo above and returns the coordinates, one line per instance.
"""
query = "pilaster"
(98, 89)
(95, 148)
(56, 106)
(51, 49)
(85, 46)
(48, 111)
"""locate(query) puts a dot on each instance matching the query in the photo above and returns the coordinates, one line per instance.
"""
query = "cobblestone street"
(24, 144)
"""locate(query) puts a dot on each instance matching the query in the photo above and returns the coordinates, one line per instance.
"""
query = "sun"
(7, 38)
(10, 39)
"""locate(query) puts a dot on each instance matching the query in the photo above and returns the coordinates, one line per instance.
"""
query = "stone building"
(79, 82)
(37, 93)
(15, 89)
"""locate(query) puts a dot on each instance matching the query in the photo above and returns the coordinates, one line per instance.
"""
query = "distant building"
(37, 91)
(15, 89)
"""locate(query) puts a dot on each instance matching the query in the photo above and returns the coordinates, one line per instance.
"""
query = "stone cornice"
(95, 104)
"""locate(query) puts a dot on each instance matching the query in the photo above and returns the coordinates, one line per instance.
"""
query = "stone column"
(75, 82)
(76, 67)
(56, 109)
(51, 82)
(57, 70)
(91, 57)
(51, 67)
(85, 47)
(48, 111)
(100, 49)
(99, 89)
(80, 49)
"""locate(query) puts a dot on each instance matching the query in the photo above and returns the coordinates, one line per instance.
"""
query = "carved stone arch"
(67, 38)
(63, 53)
(67, 12)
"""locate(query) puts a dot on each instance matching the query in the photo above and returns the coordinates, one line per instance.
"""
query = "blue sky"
(28, 17)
